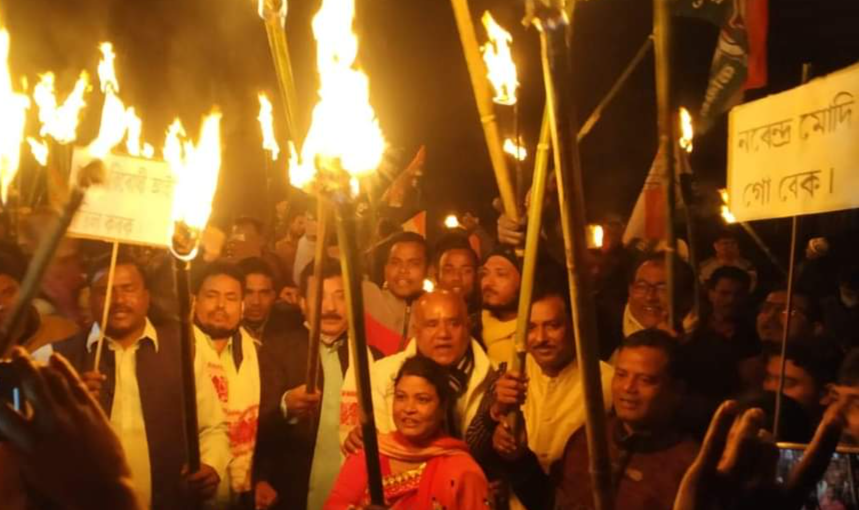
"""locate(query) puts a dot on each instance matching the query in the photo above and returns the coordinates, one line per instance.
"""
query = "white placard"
(134, 204)
(796, 152)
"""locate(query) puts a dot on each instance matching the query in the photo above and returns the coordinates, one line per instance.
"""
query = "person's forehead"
(726, 240)
(221, 283)
(441, 305)
(498, 262)
(548, 308)
(258, 280)
(651, 271)
(458, 256)
(643, 359)
(728, 284)
(124, 273)
(407, 249)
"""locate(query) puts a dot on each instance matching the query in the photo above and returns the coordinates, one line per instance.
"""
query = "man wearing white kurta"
(229, 357)
(139, 386)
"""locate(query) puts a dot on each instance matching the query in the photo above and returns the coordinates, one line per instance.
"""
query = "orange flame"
(266, 122)
(499, 61)
(39, 149)
(344, 130)
(13, 116)
(451, 221)
(688, 132)
(727, 215)
(60, 122)
(516, 150)
(196, 168)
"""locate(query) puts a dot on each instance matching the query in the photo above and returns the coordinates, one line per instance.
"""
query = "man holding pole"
(298, 452)
(137, 385)
(551, 399)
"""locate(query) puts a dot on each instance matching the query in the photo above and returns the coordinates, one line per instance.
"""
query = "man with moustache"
(441, 334)
(138, 385)
(298, 453)
(649, 456)
(263, 317)
(550, 398)
(499, 287)
(229, 357)
(388, 310)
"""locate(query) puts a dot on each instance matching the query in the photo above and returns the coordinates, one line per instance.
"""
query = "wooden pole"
(185, 241)
(276, 34)
(315, 308)
(483, 98)
(555, 38)
(39, 264)
(108, 297)
(350, 264)
(791, 266)
(667, 128)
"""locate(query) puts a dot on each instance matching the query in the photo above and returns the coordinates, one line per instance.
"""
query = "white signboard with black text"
(132, 206)
(796, 152)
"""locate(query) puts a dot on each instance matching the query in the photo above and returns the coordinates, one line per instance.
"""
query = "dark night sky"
(179, 57)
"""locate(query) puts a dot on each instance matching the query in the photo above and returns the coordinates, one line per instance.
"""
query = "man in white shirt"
(229, 357)
(138, 385)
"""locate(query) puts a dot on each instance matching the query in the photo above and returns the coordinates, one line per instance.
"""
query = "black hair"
(219, 268)
(250, 220)
(330, 269)
(409, 237)
(818, 356)
(550, 280)
(849, 276)
(453, 241)
(729, 273)
(656, 339)
(848, 374)
(726, 233)
(13, 263)
(101, 264)
(256, 265)
(435, 374)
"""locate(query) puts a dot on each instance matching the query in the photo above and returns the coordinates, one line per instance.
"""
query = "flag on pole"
(417, 224)
(740, 60)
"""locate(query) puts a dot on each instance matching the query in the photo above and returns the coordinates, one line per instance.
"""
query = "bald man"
(441, 334)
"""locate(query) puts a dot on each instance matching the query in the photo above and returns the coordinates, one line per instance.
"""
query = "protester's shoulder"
(72, 344)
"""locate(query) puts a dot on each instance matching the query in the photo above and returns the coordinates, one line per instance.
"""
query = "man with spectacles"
(805, 319)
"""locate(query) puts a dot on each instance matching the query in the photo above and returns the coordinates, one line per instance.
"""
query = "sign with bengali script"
(796, 152)
(132, 206)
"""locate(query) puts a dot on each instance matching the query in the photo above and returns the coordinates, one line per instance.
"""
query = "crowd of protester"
(690, 406)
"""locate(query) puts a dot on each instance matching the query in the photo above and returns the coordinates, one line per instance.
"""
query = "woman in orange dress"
(423, 468)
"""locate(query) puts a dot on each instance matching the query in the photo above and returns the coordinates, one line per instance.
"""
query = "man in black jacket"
(298, 450)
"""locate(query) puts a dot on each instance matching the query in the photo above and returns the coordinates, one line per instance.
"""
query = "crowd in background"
(445, 399)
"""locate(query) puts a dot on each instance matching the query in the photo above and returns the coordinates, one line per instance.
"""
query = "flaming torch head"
(196, 168)
(727, 215)
(13, 116)
(266, 121)
(499, 61)
(516, 150)
(686, 129)
(345, 140)
(451, 221)
(60, 122)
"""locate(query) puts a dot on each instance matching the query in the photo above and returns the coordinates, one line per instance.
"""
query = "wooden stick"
(667, 126)
(483, 98)
(315, 309)
(277, 42)
(105, 315)
(350, 264)
(555, 31)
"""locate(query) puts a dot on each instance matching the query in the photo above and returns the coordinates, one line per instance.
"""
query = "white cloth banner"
(796, 152)
(133, 206)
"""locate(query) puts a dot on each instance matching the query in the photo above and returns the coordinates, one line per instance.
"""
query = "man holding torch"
(298, 453)
(137, 384)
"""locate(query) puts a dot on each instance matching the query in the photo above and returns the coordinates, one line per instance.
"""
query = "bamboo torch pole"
(555, 38)
(315, 311)
(350, 261)
(108, 298)
(93, 173)
(483, 98)
(667, 127)
(273, 13)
